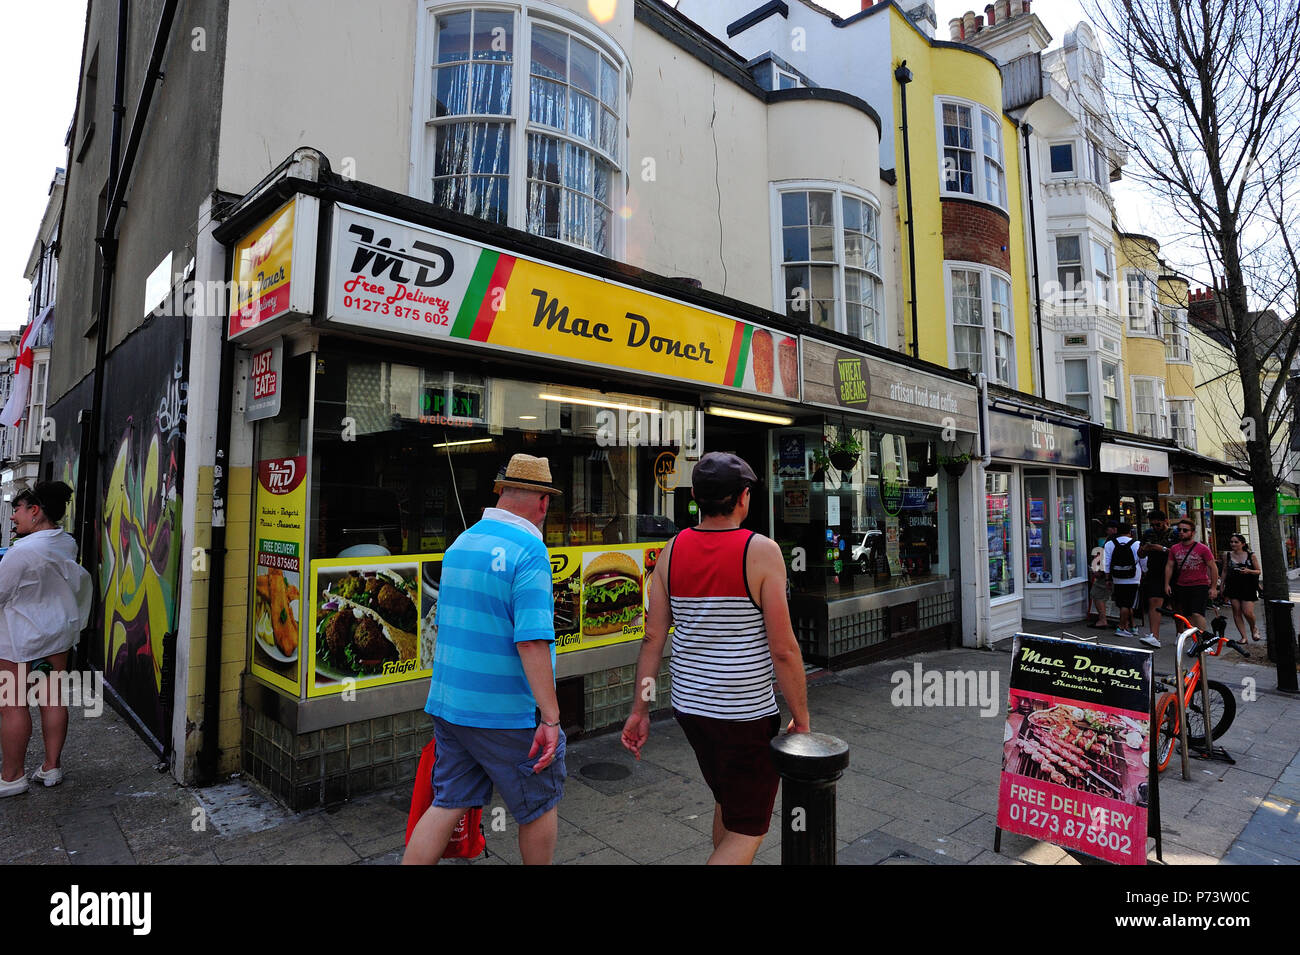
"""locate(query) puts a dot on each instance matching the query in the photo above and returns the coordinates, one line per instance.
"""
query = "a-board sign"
(1076, 749)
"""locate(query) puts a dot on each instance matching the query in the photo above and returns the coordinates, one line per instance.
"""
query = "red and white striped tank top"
(721, 664)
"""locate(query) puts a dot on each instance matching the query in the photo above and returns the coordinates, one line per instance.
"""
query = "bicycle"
(1223, 705)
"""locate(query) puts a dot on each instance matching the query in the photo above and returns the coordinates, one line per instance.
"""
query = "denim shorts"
(470, 761)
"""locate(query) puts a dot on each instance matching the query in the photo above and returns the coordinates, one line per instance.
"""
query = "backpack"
(1123, 561)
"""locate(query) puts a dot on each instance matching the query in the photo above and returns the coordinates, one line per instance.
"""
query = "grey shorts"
(470, 761)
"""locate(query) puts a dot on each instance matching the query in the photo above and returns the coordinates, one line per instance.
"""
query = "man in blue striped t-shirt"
(492, 694)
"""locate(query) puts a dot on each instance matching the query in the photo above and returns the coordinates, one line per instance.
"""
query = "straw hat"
(528, 473)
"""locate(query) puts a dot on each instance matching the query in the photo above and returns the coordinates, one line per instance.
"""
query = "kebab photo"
(367, 619)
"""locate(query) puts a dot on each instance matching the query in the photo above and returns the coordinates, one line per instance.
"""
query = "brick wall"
(976, 233)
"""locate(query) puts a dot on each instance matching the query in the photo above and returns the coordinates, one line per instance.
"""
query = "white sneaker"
(13, 787)
(1150, 640)
(50, 777)
(1121, 632)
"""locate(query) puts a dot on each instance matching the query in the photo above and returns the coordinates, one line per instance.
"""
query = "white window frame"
(1098, 164)
(989, 337)
(526, 14)
(1076, 295)
(1141, 315)
(778, 74)
(1102, 277)
(1117, 424)
(839, 193)
(35, 414)
(1073, 171)
(950, 185)
(1178, 337)
(1184, 434)
(1159, 413)
(1067, 394)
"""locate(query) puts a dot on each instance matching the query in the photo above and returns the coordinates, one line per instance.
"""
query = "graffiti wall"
(139, 530)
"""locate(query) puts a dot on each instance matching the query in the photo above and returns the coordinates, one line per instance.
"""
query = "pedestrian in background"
(722, 589)
(1155, 550)
(45, 598)
(1191, 575)
(1102, 591)
(1125, 570)
(492, 690)
(1241, 573)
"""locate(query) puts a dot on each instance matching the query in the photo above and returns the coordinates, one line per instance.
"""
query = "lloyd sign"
(265, 382)
(396, 277)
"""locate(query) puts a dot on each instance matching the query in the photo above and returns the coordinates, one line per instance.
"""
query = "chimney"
(954, 29)
(990, 14)
(979, 23)
(1003, 9)
(968, 25)
(867, 4)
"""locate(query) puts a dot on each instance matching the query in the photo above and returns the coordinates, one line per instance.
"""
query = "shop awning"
(1184, 460)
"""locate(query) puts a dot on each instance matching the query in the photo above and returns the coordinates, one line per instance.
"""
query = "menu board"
(373, 621)
(279, 524)
(1076, 748)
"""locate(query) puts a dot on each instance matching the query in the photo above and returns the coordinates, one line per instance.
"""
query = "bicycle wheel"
(1223, 710)
(1167, 731)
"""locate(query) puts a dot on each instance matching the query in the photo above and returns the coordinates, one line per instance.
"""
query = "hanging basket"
(956, 466)
(843, 460)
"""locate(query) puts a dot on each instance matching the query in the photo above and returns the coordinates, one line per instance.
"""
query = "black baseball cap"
(719, 474)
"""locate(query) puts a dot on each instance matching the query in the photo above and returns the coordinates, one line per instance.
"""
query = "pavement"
(921, 788)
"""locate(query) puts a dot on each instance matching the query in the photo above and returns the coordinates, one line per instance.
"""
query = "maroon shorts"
(735, 757)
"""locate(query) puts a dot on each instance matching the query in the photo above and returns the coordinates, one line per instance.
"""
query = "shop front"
(864, 508)
(1234, 513)
(1035, 516)
(1127, 483)
(380, 412)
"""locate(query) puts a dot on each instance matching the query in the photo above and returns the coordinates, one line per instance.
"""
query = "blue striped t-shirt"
(495, 592)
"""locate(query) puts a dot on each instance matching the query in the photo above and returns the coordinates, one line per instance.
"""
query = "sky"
(40, 55)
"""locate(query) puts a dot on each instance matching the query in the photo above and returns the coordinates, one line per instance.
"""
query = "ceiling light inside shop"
(459, 444)
(591, 402)
(748, 415)
(528, 417)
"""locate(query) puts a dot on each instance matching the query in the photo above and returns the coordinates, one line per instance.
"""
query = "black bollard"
(1281, 644)
(809, 764)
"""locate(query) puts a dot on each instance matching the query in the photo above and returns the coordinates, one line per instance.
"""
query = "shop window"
(982, 323)
(971, 140)
(871, 527)
(406, 456)
(999, 521)
(1040, 533)
(830, 261)
(563, 142)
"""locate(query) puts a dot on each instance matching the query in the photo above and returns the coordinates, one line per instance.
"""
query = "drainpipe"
(119, 178)
(1028, 130)
(904, 76)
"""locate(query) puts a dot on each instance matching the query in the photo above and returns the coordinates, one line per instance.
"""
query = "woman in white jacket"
(45, 598)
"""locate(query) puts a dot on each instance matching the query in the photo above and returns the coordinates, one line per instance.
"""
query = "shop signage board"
(852, 381)
(1018, 437)
(396, 277)
(275, 269)
(265, 388)
(1076, 750)
(1126, 459)
(1233, 501)
(279, 531)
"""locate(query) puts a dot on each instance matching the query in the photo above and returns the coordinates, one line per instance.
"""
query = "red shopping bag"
(467, 840)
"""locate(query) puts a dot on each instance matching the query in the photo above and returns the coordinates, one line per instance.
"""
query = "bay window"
(829, 250)
(982, 322)
(1111, 415)
(524, 124)
(1140, 304)
(1178, 341)
(971, 140)
(1182, 422)
(1069, 267)
(1150, 413)
(1078, 392)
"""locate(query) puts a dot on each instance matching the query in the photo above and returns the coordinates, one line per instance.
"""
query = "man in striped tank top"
(723, 591)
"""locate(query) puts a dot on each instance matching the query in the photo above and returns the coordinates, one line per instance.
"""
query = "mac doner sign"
(397, 277)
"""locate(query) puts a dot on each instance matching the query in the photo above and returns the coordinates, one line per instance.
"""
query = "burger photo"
(611, 586)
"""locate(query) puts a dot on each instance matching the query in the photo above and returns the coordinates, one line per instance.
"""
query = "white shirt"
(1139, 562)
(45, 597)
(508, 517)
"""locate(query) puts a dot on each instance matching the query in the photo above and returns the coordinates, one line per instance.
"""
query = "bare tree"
(1208, 102)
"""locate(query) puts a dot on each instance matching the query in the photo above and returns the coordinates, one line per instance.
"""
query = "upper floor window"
(830, 261)
(972, 153)
(1111, 414)
(1098, 167)
(1069, 267)
(1078, 391)
(36, 408)
(1140, 304)
(524, 125)
(1178, 339)
(981, 321)
(1150, 412)
(1062, 159)
(1182, 422)
(1101, 271)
